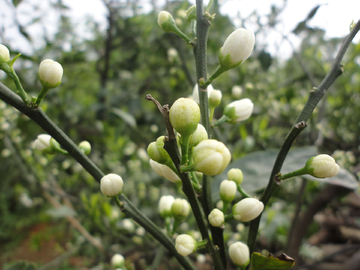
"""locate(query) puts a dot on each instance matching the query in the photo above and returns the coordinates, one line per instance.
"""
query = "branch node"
(301, 125)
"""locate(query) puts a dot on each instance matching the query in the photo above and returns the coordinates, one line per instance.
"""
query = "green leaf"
(127, 117)
(22, 265)
(269, 262)
(257, 167)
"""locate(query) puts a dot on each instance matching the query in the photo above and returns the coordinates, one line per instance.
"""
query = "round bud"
(216, 217)
(50, 73)
(322, 166)
(239, 254)
(235, 175)
(4, 54)
(185, 244)
(111, 184)
(227, 190)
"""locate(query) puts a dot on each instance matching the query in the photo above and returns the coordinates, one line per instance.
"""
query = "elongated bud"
(117, 261)
(180, 209)
(239, 110)
(111, 184)
(235, 175)
(185, 244)
(184, 116)
(85, 146)
(322, 166)
(227, 190)
(239, 254)
(50, 73)
(165, 204)
(216, 217)
(4, 54)
(237, 48)
(42, 143)
(164, 171)
(247, 209)
(199, 135)
(166, 21)
(211, 157)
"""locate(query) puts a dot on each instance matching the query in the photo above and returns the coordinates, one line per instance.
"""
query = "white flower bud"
(239, 254)
(185, 244)
(195, 94)
(43, 142)
(235, 175)
(165, 204)
(166, 21)
(237, 48)
(199, 135)
(239, 110)
(157, 152)
(50, 73)
(117, 261)
(85, 146)
(180, 208)
(184, 116)
(247, 209)
(215, 98)
(164, 171)
(111, 184)
(211, 157)
(236, 91)
(216, 218)
(4, 54)
(227, 190)
(322, 166)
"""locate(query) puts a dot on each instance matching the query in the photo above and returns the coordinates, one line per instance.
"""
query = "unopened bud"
(239, 110)
(216, 218)
(50, 73)
(185, 244)
(322, 166)
(180, 208)
(239, 254)
(247, 209)
(165, 204)
(215, 98)
(111, 184)
(235, 175)
(4, 54)
(85, 146)
(227, 190)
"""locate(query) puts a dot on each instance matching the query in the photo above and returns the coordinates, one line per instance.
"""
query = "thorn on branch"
(301, 125)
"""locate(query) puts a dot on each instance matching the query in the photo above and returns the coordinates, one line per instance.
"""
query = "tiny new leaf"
(269, 262)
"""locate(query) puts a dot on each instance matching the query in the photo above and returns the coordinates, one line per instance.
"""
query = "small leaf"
(312, 12)
(127, 117)
(269, 262)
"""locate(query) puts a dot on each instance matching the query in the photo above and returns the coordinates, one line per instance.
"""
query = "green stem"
(168, 225)
(54, 131)
(189, 168)
(314, 98)
(184, 149)
(299, 172)
(223, 119)
(178, 32)
(229, 217)
(212, 110)
(243, 192)
(201, 244)
(176, 224)
(41, 96)
(225, 206)
(218, 71)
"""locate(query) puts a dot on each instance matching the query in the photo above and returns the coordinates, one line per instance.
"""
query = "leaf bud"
(322, 166)
(85, 146)
(185, 244)
(165, 204)
(184, 116)
(247, 209)
(239, 254)
(180, 209)
(239, 110)
(50, 73)
(235, 175)
(4, 54)
(211, 157)
(216, 217)
(237, 48)
(111, 184)
(227, 190)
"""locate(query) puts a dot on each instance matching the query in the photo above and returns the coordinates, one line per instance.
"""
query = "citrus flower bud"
(237, 48)
(85, 146)
(216, 218)
(236, 91)
(185, 244)
(322, 166)
(117, 261)
(42, 143)
(235, 175)
(164, 171)
(227, 190)
(247, 209)
(50, 73)
(165, 204)
(239, 110)
(111, 184)
(166, 21)
(239, 254)
(180, 208)
(195, 94)
(211, 157)
(199, 135)
(157, 152)
(184, 116)
(215, 98)
(4, 54)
